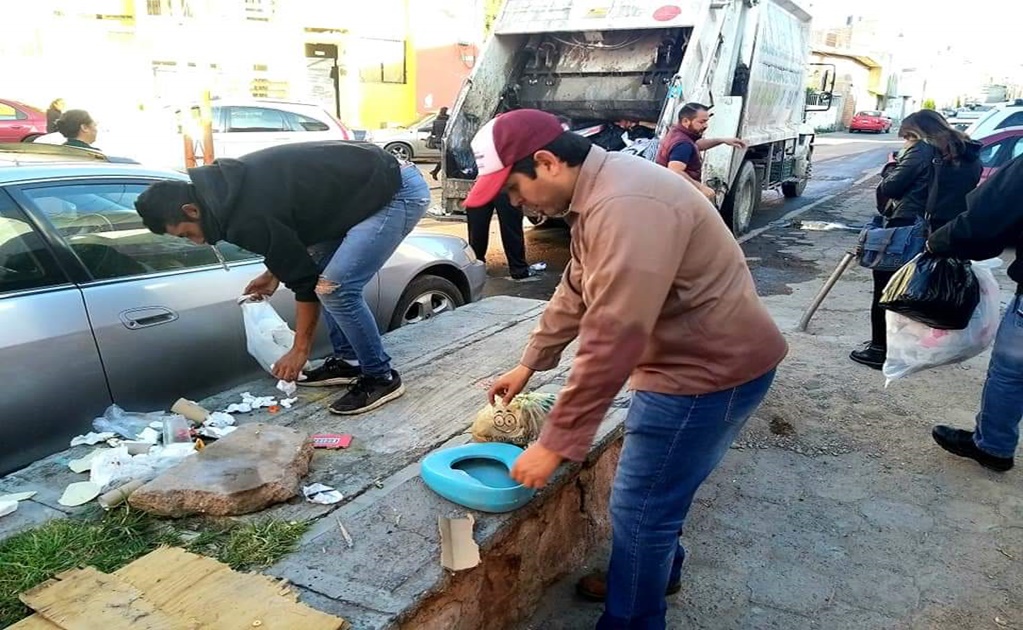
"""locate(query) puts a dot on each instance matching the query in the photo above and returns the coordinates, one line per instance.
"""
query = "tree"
(929, 104)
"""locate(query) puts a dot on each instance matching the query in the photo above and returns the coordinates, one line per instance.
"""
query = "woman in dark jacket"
(906, 190)
(79, 128)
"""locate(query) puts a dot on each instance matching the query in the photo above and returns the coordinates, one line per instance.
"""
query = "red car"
(996, 151)
(20, 122)
(871, 120)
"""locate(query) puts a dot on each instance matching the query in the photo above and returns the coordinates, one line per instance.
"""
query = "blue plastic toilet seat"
(477, 476)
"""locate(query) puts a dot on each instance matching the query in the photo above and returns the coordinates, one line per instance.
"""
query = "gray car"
(95, 309)
(407, 143)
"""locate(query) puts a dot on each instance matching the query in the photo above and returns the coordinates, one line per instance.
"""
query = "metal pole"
(823, 293)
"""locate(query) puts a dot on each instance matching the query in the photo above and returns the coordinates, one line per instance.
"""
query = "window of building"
(101, 226)
(25, 262)
(383, 61)
(260, 10)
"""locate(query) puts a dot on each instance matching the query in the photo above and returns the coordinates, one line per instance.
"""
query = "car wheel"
(743, 200)
(31, 138)
(425, 298)
(400, 151)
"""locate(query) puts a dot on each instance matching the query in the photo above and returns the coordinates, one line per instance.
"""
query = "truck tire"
(742, 201)
(791, 190)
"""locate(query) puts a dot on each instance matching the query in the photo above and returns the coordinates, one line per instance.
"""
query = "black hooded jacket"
(993, 222)
(278, 201)
(909, 183)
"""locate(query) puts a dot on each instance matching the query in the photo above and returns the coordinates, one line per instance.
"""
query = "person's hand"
(289, 367)
(708, 192)
(735, 143)
(535, 466)
(263, 286)
(509, 384)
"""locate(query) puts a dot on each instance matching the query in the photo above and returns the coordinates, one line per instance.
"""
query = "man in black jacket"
(993, 222)
(326, 216)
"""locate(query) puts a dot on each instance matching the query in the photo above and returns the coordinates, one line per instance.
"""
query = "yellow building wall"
(383, 104)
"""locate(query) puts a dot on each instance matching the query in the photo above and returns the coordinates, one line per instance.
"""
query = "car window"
(101, 226)
(305, 123)
(1013, 120)
(1017, 150)
(253, 119)
(7, 112)
(870, 114)
(25, 262)
(992, 154)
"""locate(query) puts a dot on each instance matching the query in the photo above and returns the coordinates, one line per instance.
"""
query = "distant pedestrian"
(79, 128)
(993, 222)
(440, 123)
(907, 189)
(53, 115)
(513, 238)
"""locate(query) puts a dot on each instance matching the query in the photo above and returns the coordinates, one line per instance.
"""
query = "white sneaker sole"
(330, 382)
(379, 403)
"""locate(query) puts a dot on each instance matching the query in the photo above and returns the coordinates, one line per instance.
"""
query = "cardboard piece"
(458, 550)
(191, 591)
(190, 410)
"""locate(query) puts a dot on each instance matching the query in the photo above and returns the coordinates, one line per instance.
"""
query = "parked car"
(870, 120)
(20, 122)
(997, 118)
(407, 143)
(95, 309)
(996, 151)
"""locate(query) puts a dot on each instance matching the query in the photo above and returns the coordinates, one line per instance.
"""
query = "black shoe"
(960, 442)
(593, 587)
(870, 355)
(334, 371)
(367, 394)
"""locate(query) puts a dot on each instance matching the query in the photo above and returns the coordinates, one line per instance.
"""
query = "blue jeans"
(672, 443)
(348, 265)
(1001, 407)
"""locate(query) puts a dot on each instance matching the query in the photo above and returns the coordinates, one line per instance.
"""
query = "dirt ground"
(835, 509)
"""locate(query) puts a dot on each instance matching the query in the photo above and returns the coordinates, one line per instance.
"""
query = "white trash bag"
(913, 346)
(267, 335)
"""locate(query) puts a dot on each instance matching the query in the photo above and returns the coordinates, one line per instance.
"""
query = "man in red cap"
(656, 290)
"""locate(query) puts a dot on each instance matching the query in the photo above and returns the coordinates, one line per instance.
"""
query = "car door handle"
(138, 318)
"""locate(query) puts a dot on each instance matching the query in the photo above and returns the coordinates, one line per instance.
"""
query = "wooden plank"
(35, 622)
(85, 599)
(195, 587)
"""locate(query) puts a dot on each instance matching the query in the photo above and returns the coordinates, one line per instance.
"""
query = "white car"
(407, 143)
(997, 118)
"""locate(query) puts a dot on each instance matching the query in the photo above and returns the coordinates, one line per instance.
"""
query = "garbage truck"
(600, 63)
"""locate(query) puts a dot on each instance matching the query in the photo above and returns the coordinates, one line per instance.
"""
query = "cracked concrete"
(835, 510)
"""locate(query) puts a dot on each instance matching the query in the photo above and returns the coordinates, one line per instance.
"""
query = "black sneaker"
(960, 442)
(367, 394)
(334, 371)
(870, 356)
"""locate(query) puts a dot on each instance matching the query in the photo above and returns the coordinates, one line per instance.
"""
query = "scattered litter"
(158, 425)
(324, 495)
(92, 438)
(79, 493)
(176, 430)
(216, 432)
(379, 485)
(1002, 622)
(332, 440)
(8, 507)
(189, 409)
(344, 533)
(21, 496)
(238, 408)
(219, 419)
(1001, 551)
(117, 466)
(458, 550)
(83, 464)
(288, 388)
(257, 402)
(273, 408)
(128, 424)
(149, 435)
(288, 402)
(119, 495)
(136, 448)
(824, 226)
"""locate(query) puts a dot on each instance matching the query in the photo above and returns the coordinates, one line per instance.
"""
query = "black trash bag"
(939, 292)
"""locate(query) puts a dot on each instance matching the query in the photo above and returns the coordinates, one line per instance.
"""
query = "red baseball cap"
(501, 143)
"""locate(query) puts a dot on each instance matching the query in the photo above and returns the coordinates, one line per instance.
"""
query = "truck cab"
(598, 63)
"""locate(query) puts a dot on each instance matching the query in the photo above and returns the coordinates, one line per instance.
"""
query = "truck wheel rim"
(744, 207)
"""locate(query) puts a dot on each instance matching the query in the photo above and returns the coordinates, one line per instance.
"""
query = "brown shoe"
(593, 587)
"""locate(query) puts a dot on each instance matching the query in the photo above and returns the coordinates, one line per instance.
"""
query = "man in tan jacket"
(656, 290)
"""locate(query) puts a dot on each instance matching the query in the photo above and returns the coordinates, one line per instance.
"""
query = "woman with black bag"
(934, 172)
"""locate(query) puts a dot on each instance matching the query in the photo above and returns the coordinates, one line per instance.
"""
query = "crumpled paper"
(288, 388)
(216, 432)
(324, 495)
(219, 419)
(92, 438)
(117, 466)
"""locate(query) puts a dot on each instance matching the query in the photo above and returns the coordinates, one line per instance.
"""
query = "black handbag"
(889, 249)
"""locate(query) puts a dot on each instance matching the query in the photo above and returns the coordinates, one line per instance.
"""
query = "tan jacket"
(656, 288)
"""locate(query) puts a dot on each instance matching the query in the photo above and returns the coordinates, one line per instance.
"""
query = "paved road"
(842, 159)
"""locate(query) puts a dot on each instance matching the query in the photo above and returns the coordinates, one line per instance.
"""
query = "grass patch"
(108, 541)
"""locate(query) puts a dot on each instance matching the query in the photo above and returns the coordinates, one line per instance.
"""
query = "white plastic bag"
(913, 346)
(267, 335)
